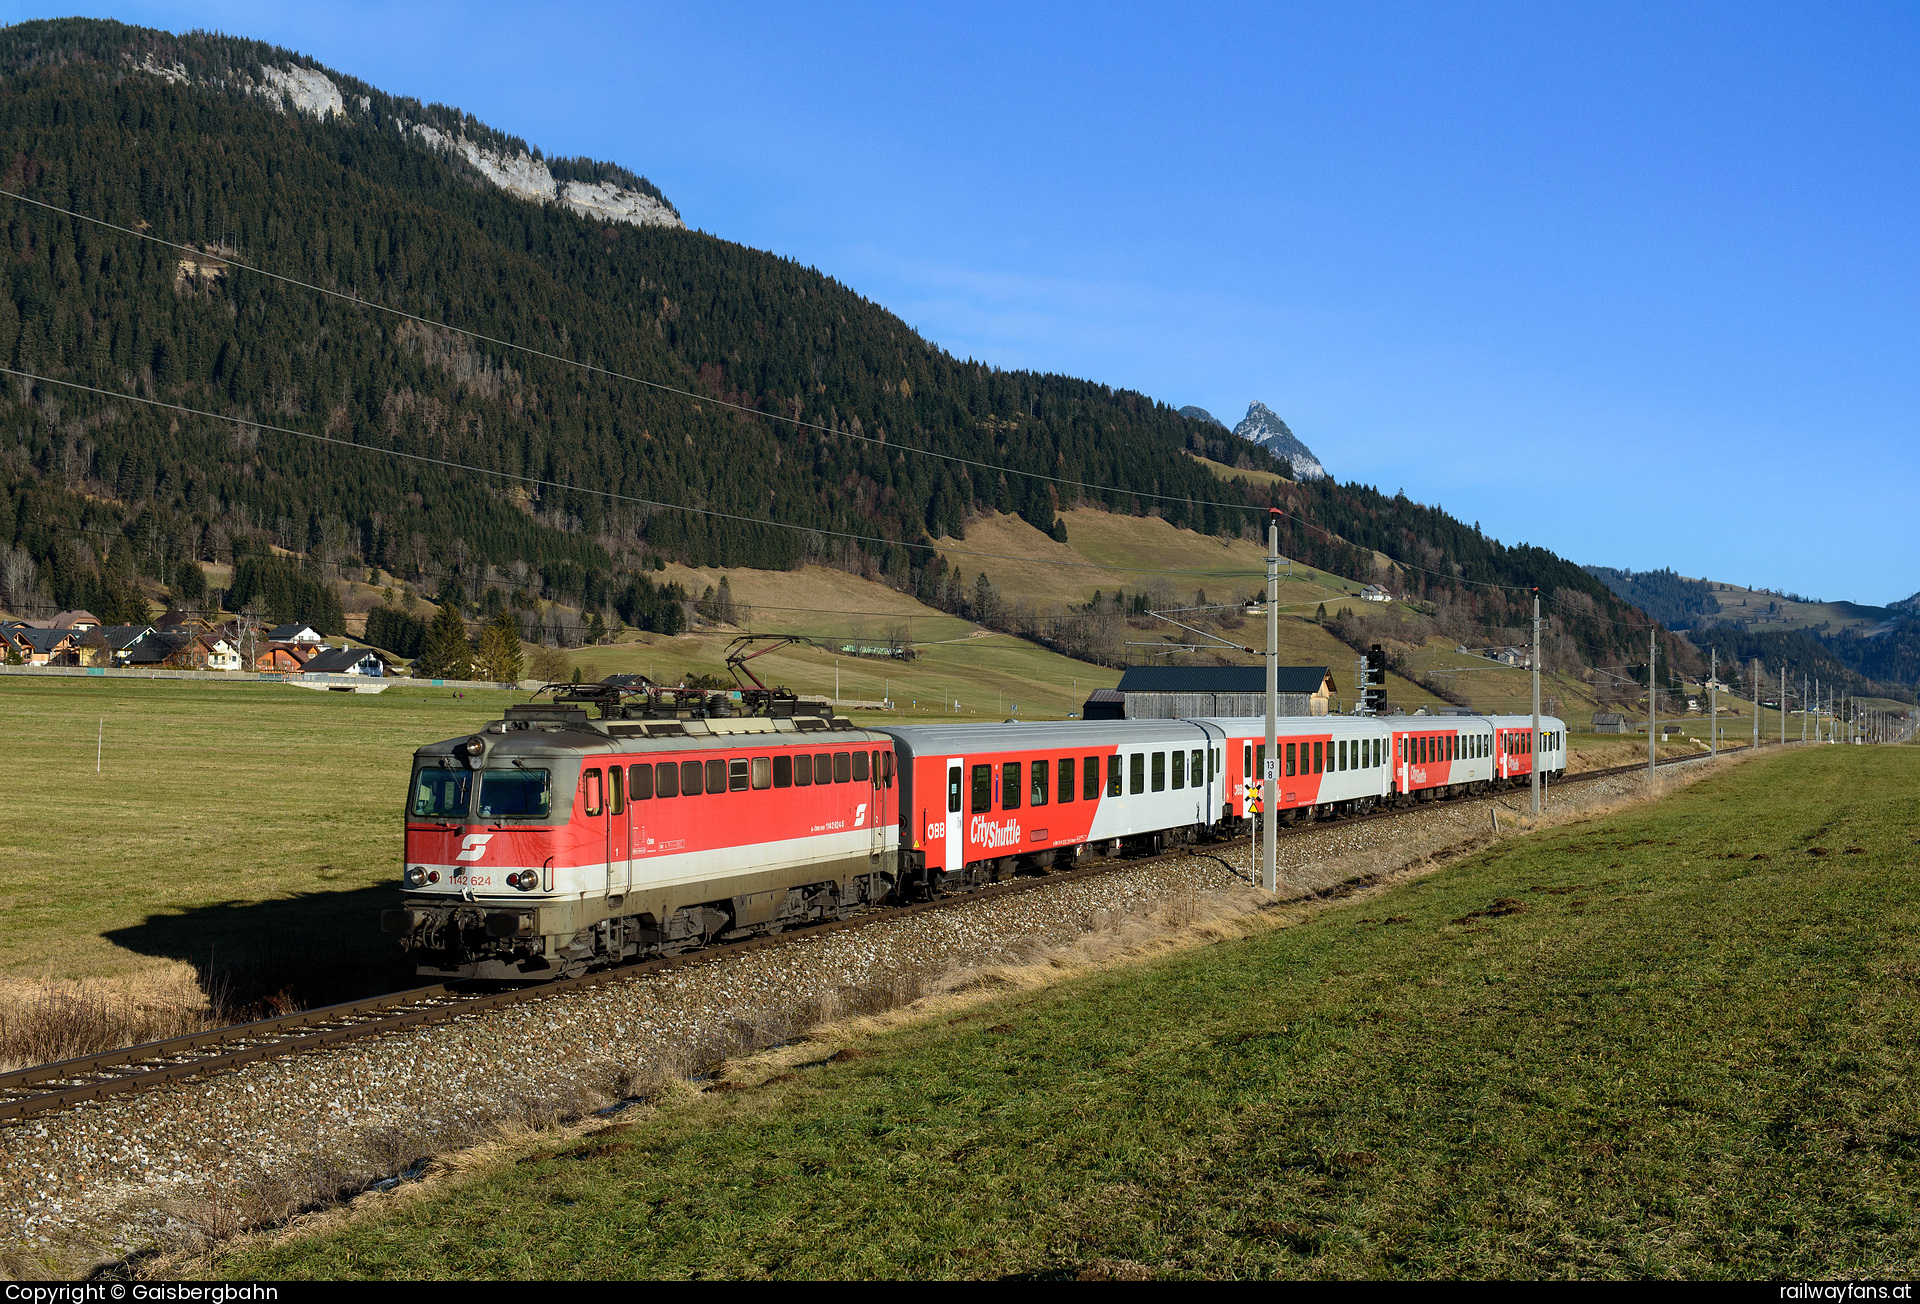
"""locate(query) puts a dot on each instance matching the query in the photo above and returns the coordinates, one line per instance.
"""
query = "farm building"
(1179, 692)
(1609, 722)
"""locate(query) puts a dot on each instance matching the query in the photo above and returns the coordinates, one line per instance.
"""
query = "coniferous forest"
(519, 471)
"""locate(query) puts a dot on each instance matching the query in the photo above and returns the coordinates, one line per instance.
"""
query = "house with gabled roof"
(295, 631)
(76, 620)
(347, 661)
(282, 657)
(46, 647)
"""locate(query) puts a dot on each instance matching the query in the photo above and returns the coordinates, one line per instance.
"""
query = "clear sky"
(1636, 283)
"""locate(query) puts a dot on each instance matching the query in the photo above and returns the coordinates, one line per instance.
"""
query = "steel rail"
(48, 1088)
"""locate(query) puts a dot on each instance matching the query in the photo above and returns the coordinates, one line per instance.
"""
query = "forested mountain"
(1674, 600)
(254, 155)
(1890, 671)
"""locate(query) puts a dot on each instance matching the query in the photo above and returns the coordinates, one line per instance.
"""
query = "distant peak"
(1202, 415)
(1263, 426)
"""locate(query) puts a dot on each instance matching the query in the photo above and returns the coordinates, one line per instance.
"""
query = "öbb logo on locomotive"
(612, 835)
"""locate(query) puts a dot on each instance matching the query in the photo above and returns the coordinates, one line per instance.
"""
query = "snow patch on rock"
(305, 89)
(1263, 426)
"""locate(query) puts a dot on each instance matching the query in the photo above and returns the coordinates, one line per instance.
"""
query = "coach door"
(956, 820)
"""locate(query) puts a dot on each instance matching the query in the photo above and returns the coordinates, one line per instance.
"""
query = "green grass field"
(1676, 1041)
(250, 823)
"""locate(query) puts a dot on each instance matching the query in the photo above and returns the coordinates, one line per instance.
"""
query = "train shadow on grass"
(258, 958)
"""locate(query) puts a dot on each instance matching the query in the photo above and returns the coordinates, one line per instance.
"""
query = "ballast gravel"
(121, 1174)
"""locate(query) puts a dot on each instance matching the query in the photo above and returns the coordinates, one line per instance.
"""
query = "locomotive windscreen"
(513, 792)
(441, 794)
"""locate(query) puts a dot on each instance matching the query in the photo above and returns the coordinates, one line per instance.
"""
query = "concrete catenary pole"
(1269, 781)
(1754, 679)
(1653, 652)
(1783, 704)
(1803, 707)
(1533, 769)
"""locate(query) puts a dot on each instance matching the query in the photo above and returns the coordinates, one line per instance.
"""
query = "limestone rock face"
(1262, 426)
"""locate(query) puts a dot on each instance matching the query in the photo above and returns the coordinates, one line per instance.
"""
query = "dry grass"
(46, 1020)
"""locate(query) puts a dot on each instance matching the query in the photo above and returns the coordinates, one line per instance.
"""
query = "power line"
(601, 493)
(797, 422)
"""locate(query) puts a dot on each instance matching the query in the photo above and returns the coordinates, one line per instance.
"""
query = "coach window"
(860, 770)
(1037, 790)
(1066, 779)
(717, 775)
(982, 788)
(953, 789)
(1179, 769)
(783, 771)
(642, 783)
(1010, 785)
(1137, 774)
(1292, 765)
(822, 768)
(1319, 758)
(590, 784)
(1159, 771)
(666, 779)
(1246, 761)
(616, 790)
(689, 778)
(1090, 778)
(1113, 775)
(762, 772)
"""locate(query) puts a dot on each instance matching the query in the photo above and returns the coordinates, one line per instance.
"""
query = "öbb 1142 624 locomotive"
(597, 828)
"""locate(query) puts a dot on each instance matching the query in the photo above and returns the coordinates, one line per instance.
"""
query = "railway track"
(50, 1088)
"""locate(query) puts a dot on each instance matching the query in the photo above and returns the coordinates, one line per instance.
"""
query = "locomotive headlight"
(474, 746)
(526, 880)
(415, 876)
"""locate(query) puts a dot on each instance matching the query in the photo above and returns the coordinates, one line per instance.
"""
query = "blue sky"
(1636, 283)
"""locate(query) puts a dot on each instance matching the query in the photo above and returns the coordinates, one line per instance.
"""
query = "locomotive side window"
(1113, 775)
(441, 794)
(736, 775)
(617, 788)
(762, 772)
(783, 771)
(716, 776)
(589, 783)
(1137, 773)
(690, 779)
(1037, 790)
(1090, 779)
(666, 779)
(982, 789)
(1066, 778)
(1179, 769)
(823, 767)
(1010, 785)
(519, 792)
(842, 767)
(860, 767)
(642, 783)
(803, 771)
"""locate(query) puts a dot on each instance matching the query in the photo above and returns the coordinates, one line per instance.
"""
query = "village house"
(282, 657)
(109, 644)
(347, 661)
(44, 647)
(211, 652)
(296, 632)
(1374, 593)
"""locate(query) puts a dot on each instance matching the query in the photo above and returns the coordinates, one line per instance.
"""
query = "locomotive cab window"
(982, 789)
(589, 784)
(441, 794)
(617, 789)
(1010, 786)
(521, 793)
